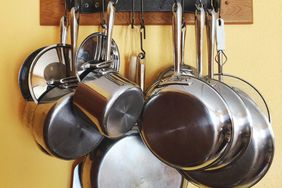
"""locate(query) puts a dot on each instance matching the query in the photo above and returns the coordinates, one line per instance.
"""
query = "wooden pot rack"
(157, 12)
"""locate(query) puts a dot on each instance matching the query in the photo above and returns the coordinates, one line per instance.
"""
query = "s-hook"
(142, 30)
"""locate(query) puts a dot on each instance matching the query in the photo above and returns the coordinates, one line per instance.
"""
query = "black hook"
(133, 14)
(142, 29)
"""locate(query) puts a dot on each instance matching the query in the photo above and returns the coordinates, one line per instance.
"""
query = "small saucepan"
(112, 102)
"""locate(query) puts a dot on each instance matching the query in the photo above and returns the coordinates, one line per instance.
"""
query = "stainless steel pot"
(112, 102)
(59, 127)
(127, 163)
(185, 122)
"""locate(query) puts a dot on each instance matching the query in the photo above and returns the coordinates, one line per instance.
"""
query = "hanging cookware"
(185, 69)
(242, 129)
(92, 52)
(185, 122)
(112, 102)
(251, 166)
(127, 163)
(58, 126)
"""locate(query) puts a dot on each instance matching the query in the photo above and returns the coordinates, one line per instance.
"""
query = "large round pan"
(185, 122)
(251, 167)
(242, 129)
(127, 163)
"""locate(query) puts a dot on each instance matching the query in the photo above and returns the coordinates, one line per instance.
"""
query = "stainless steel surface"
(251, 167)
(185, 122)
(199, 25)
(76, 179)
(177, 35)
(141, 71)
(238, 83)
(111, 19)
(64, 30)
(24, 75)
(74, 37)
(62, 129)
(113, 103)
(47, 68)
(93, 51)
(127, 163)
(211, 29)
(241, 121)
(242, 130)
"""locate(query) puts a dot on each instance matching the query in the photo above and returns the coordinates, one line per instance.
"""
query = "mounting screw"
(86, 5)
(97, 4)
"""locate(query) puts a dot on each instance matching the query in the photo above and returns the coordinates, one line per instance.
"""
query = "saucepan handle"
(111, 20)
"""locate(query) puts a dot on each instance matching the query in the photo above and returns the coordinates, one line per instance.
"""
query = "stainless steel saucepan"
(112, 102)
(185, 122)
(58, 126)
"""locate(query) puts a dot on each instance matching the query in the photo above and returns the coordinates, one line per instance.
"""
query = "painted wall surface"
(254, 53)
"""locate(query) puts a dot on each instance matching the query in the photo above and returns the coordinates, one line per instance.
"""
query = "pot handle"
(64, 30)
(177, 36)
(199, 26)
(74, 35)
(211, 28)
(111, 19)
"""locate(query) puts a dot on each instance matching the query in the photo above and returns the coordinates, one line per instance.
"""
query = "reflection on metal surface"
(93, 50)
(62, 130)
(127, 163)
(47, 68)
(252, 165)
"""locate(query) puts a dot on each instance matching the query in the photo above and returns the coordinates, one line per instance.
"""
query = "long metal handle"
(199, 26)
(140, 71)
(64, 30)
(74, 36)
(183, 33)
(111, 19)
(211, 28)
(177, 38)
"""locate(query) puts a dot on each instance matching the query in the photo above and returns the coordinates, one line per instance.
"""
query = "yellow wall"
(254, 53)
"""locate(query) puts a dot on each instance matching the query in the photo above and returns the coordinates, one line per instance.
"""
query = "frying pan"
(127, 163)
(113, 103)
(60, 128)
(188, 141)
(242, 129)
(252, 165)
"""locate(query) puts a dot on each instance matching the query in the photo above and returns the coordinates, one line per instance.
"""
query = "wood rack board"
(233, 12)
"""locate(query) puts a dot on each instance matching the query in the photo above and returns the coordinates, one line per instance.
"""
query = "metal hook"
(132, 14)
(142, 30)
